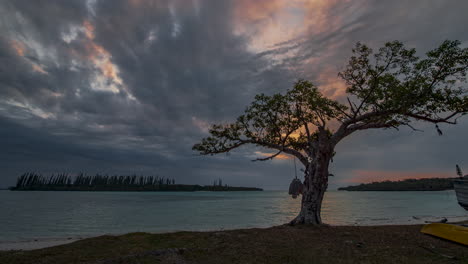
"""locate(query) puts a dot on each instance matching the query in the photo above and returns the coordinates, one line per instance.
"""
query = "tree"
(387, 89)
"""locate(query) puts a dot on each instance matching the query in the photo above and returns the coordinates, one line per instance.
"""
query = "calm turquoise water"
(37, 215)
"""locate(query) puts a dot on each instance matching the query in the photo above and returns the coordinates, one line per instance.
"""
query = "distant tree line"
(33, 180)
(218, 182)
(64, 182)
(427, 184)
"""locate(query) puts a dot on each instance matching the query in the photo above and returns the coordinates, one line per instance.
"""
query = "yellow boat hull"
(456, 233)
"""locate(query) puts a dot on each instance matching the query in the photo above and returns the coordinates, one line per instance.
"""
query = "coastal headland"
(424, 184)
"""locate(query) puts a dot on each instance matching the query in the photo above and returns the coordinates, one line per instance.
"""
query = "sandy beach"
(35, 244)
(40, 243)
(280, 244)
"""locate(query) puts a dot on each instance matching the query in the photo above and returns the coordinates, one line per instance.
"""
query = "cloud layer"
(128, 86)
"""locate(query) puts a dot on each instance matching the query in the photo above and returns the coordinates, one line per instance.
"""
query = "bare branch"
(284, 149)
(352, 106)
(435, 120)
(371, 125)
(413, 128)
(269, 157)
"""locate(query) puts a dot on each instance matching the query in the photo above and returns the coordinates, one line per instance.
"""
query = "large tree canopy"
(386, 89)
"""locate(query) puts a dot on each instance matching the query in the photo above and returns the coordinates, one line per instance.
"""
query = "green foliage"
(388, 89)
(270, 121)
(400, 86)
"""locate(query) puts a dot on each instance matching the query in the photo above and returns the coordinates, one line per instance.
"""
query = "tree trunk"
(315, 185)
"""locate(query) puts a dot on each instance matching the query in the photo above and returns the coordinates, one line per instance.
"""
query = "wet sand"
(36, 243)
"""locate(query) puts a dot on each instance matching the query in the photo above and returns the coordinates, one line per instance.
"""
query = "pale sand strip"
(35, 244)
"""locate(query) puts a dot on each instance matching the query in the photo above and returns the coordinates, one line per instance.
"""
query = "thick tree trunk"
(315, 185)
(311, 206)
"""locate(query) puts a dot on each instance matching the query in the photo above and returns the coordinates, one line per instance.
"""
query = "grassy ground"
(282, 244)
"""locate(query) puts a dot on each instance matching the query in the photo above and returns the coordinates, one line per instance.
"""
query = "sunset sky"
(128, 86)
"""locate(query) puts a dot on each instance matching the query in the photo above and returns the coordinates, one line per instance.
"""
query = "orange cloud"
(88, 29)
(257, 10)
(20, 51)
(102, 60)
(318, 18)
(266, 22)
(270, 22)
(110, 71)
(38, 68)
(331, 85)
(367, 176)
(18, 47)
(266, 154)
(94, 50)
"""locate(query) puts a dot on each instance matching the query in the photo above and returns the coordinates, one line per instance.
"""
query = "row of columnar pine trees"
(133, 183)
(28, 180)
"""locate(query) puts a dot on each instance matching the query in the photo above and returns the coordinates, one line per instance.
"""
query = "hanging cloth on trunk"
(296, 186)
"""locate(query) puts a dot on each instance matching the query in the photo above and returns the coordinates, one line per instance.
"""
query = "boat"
(460, 186)
(461, 190)
(456, 233)
(453, 232)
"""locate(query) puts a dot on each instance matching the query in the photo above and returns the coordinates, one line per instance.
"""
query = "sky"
(128, 86)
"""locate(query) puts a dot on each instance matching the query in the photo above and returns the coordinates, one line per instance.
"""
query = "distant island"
(64, 182)
(426, 184)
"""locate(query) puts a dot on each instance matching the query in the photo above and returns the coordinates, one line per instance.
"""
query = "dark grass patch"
(282, 244)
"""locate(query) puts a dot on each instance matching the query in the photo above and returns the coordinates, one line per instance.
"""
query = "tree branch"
(284, 149)
(269, 157)
(435, 120)
(352, 107)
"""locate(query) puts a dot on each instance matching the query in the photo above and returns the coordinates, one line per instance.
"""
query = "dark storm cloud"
(181, 79)
(129, 86)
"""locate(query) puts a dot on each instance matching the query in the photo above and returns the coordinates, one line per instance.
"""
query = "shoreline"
(278, 244)
(40, 243)
(43, 243)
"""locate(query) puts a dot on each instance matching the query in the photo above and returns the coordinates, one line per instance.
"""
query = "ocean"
(35, 215)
